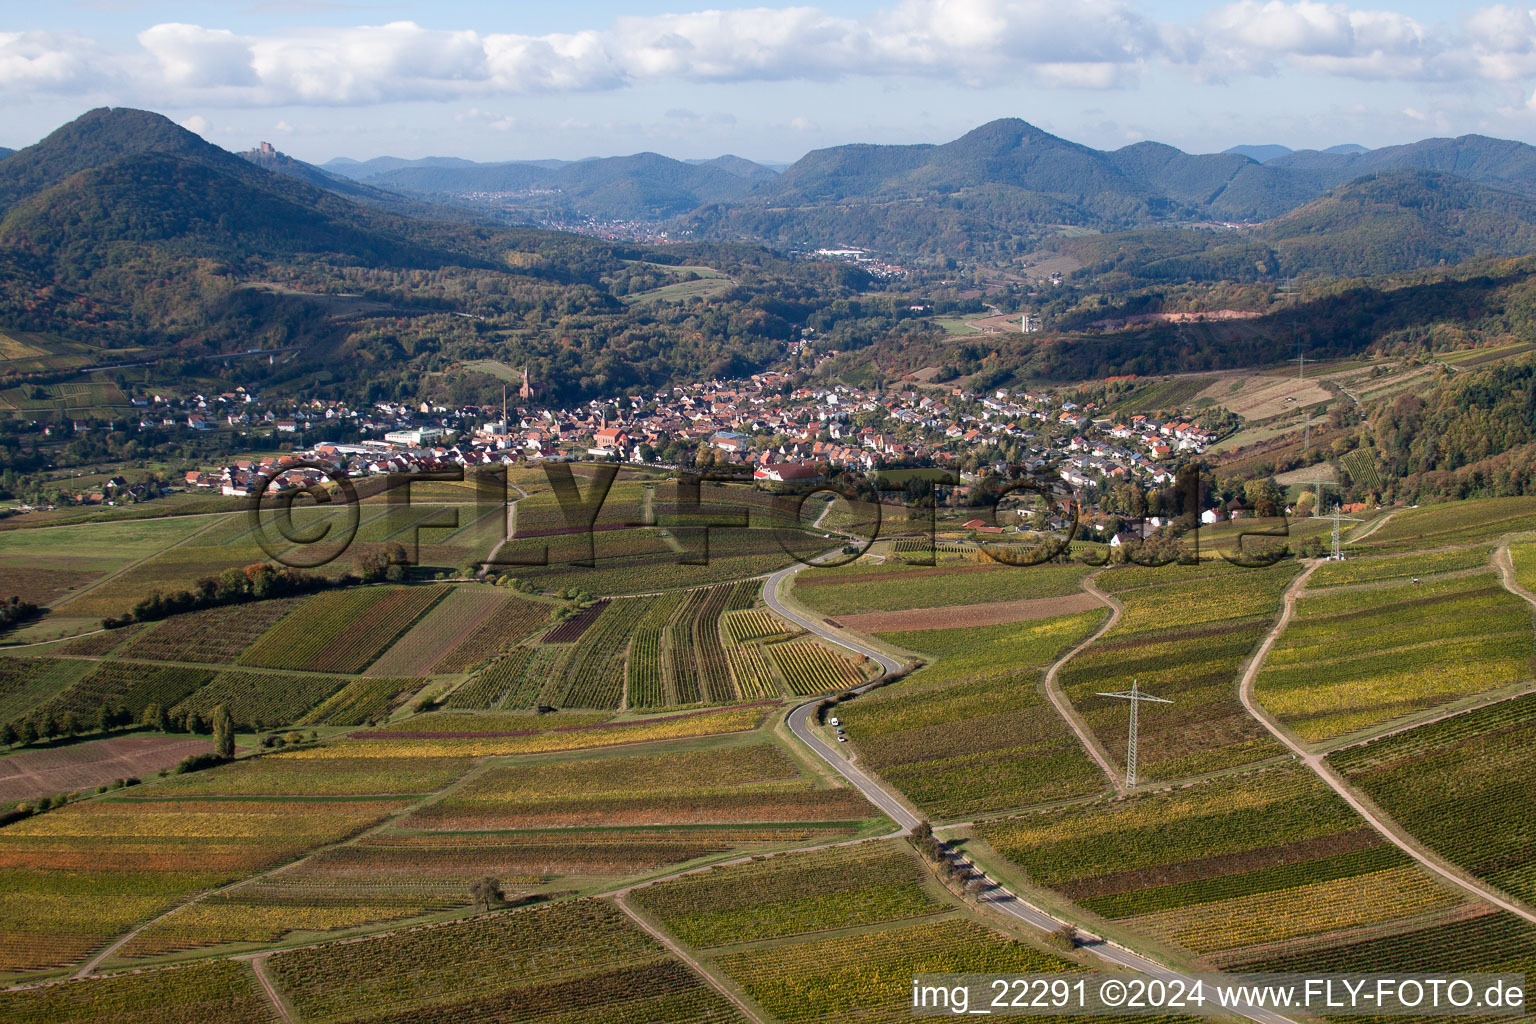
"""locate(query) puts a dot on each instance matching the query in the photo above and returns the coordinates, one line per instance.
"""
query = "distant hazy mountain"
(645, 186)
(1006, 183)
(467, 177)
(1259, 153)
(1497, 162)
(741, 167)
(362, 170)
(5, 152)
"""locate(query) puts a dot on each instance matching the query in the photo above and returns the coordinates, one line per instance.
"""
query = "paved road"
(800, 725)
(888, 665)
(998, 897)
(1394, 834)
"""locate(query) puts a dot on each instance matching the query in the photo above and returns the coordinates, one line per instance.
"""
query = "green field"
(794, 894)
(1397, 567)
(974, 733)
(871, 588)
(1452, 522)
(1462, 787)
(1184, 635)
(1223, 865)
(1359, 658)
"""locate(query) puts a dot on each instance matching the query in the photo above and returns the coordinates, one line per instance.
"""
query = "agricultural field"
(1523, 557)
(420, 867)
(1183, 636)
(1164, 393)
(463, 613)
(341, 630)
(218, 992)
(862, 588)
(1462, 786)
(28, 774)
(510, 619)
(973, 733)
(794, 894)
(26, 682)
(524, 735)
(260, 700)
(1479, 938)
(810, 668)
(654, 651)
(517, 679)
(362, 701)
(101, 642)
(867, 976)
(1355, 659)
(182, 550)
(79, 875)
(253, 918)
(651, 559)
(1263, 396)
(121, 684)
(570, 630)
(1225, 865)
(1398, 567)
(595, 673)
(724, 785)
(648, 679)
(714, 673)
(287, 774)
(1452, 522)
(216, 636)
(61, 566)
(584, 957)
(708, 284)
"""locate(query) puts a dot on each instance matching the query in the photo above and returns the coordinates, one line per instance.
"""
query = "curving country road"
(996, 895)
(888, 665)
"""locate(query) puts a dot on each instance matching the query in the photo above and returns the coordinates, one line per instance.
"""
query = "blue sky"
(325, 78)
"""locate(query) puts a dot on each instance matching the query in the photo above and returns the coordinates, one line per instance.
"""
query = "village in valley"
(782, 433)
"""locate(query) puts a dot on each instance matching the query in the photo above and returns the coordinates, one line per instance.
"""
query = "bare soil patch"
(35, 773)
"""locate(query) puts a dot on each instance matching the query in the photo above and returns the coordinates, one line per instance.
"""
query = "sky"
(515, 80)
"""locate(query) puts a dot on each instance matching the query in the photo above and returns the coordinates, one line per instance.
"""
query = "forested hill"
(123, 229)
(1480, 303)
(1383, 223)
(130, 177)
(1497, 162)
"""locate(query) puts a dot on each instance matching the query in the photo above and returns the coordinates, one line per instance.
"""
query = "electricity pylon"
(1135, 696)
(1338, 551)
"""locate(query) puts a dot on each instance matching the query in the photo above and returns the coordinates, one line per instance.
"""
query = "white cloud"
(1071, 44)
(191, 56)
(1326, 38)
(63, 62)
(197, 124)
